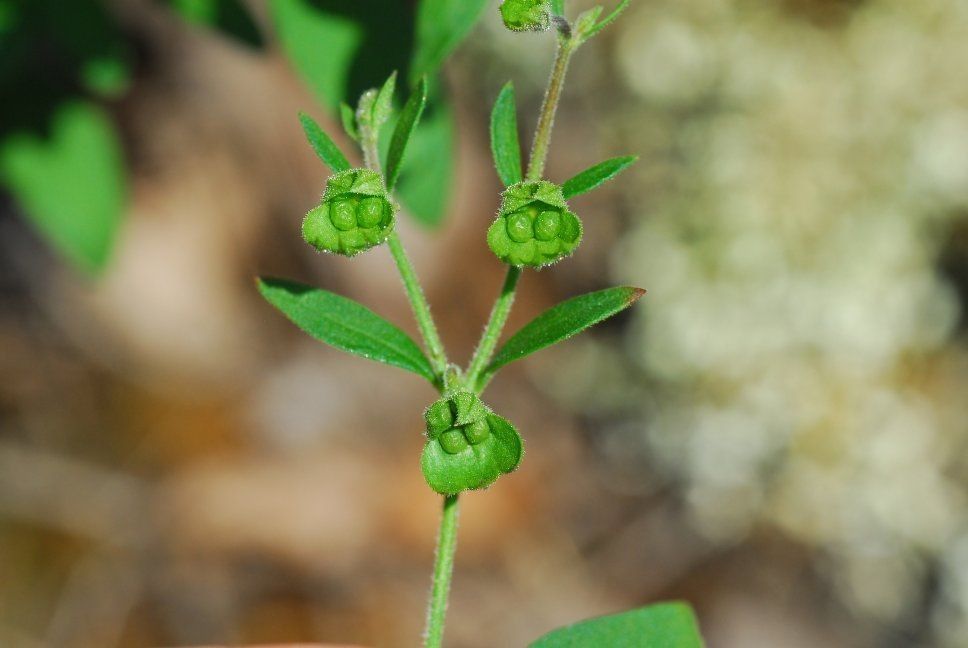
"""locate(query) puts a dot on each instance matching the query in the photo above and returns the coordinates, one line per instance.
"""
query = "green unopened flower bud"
(526, 15)
(468, 446)
(354, 214)
(534, 226)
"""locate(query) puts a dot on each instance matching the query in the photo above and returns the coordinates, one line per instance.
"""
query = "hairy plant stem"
(536, 163)
(411, 284)
(443, 570)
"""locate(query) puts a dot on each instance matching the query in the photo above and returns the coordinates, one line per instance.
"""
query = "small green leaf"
(348, 116)
(325, 148)
(346, 325)
(609, 19)
(597, 175)
(409, 118)
(504, 137)
(562, 321)
(558, 7)
(665, 625)
(383, 105)
(441, 26)
(71, 185)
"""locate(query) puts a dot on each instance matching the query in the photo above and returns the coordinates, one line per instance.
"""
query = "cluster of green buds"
(468, 446)
(526, 15)
(354, 215)
(534, 226)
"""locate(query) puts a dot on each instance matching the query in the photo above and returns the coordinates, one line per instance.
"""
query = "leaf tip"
(635, 294)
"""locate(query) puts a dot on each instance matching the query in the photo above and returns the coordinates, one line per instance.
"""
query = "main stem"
(443, 570)
(411, 284)
(536, 164)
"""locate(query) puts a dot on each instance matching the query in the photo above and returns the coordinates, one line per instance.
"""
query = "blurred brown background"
(776, 433)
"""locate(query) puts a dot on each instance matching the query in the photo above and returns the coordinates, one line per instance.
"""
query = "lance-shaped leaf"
(345, 324)
(562, 321)
(596, 176)
(409, 118)
(504, 137)
(325, 148)
(665, 625)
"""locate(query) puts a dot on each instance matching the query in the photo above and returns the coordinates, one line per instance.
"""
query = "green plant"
(468, 446)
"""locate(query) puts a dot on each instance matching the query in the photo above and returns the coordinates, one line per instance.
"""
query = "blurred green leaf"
(504, 137)
(325, 147)
(345, 324)
(228, 16)
(666, 625)
(71, 184)
(562, 321)
(426, 188)
(441, 26)
(558, 7)
(409, 118)
(342, 47)
(596, 176)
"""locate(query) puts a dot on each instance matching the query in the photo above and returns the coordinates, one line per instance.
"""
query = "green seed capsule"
(439, 417)
(453, 441)
(477, 431)
(354, 215)
(534, 226)
(526, 15)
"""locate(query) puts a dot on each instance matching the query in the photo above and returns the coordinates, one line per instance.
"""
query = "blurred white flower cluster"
(801, 174)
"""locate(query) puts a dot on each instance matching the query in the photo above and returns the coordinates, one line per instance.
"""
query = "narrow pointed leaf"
(409, 118)
(564, 320)
(504, 137)
(609, 19)
(665, 625)
(384, 102)
(596, 176)
(348, 116)
(345, 324)
(325, 148)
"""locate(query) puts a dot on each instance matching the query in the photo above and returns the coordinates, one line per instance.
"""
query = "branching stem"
(411, 284)
(536, 164)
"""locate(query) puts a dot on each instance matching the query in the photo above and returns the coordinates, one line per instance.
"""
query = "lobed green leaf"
(409, 118)
(561, 322)
(665, 625)
(596, 176)
(325, 147)
(345, 324)
(504, 137)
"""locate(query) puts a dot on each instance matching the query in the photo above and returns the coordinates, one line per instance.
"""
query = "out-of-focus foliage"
(228, 16)
(805, 370)
(59, 153)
